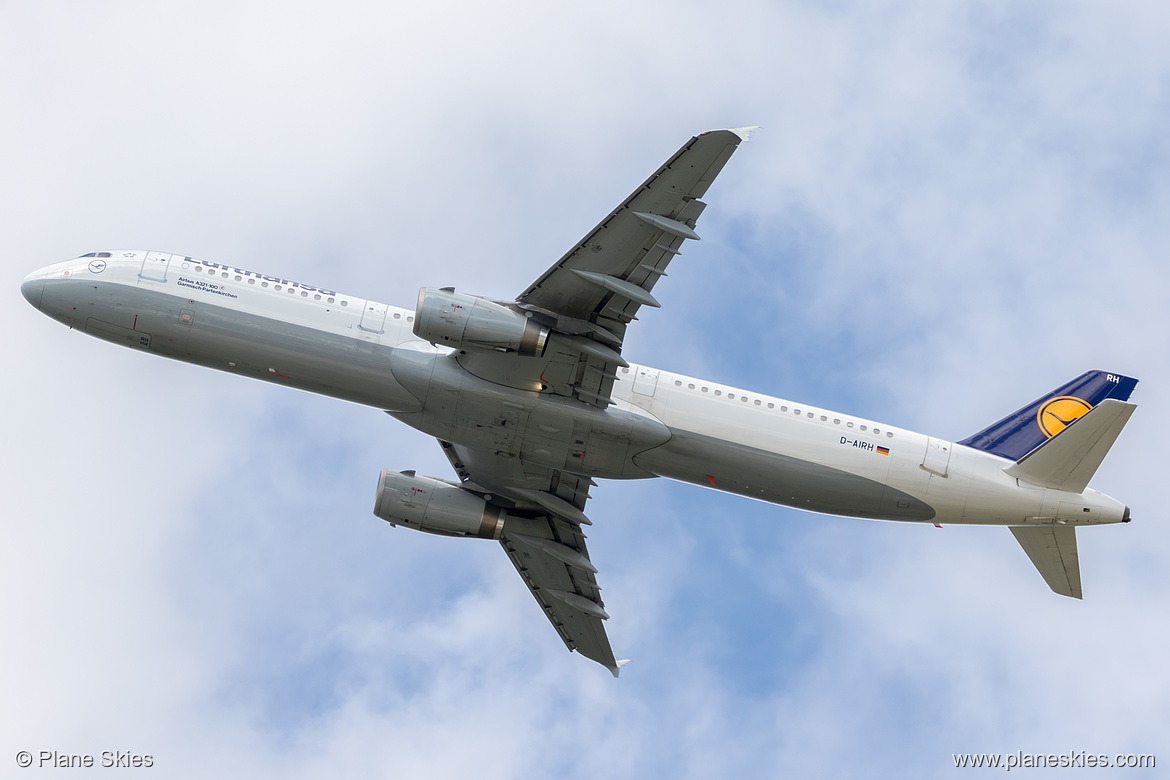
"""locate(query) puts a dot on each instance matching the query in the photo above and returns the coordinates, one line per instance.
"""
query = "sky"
(949, 210)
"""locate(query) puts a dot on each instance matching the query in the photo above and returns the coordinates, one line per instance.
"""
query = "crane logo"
(1059, 413)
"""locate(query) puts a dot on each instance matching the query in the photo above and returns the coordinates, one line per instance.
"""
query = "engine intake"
(452, 319)
(436, 507)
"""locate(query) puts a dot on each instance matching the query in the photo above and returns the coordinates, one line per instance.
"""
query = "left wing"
(590, 295)
(543, 538)
(609, 274)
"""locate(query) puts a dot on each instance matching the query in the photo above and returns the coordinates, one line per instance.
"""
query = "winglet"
(744, 132)
(617, 667)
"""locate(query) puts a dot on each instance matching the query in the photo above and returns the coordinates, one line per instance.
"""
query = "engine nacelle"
(434, 506)
(452, 319)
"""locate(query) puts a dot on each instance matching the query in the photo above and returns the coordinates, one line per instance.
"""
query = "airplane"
(533, 402)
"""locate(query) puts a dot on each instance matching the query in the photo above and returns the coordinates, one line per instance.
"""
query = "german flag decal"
(883, 450)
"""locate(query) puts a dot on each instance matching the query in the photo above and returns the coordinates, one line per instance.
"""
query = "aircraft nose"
(32, 288)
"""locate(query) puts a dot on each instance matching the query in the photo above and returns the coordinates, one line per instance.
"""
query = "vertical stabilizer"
(1016, 435)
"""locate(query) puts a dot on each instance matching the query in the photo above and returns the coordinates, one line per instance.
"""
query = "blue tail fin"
(1018, 434)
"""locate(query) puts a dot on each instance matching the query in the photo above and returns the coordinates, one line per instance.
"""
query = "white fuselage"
(661, 424)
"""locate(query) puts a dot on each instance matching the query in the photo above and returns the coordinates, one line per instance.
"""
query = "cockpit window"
(97, 254)
(91, 254)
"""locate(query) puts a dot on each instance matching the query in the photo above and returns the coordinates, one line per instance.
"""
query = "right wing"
(543, 539)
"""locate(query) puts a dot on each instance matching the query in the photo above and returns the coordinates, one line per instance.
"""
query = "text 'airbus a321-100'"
(533, 402)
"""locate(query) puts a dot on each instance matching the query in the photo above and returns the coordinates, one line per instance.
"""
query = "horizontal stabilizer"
(1053, 551)
(1069, 460)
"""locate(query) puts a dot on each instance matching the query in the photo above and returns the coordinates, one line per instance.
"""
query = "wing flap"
(1053, 551)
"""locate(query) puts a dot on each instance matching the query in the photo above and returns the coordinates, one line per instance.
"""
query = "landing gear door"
(938, 456)
(154, 267)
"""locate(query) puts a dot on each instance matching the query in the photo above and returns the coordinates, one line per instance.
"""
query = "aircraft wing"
(589, 296)
(543, 538)
(585, 300)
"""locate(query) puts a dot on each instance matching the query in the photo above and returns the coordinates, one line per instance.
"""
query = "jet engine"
(434, 506)
(452, 319)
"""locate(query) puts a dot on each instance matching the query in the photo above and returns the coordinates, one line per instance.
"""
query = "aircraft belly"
(244, 343)
(777, 478)
(560, 433)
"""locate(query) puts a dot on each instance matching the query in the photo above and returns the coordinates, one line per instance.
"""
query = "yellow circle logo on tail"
(1059, 413)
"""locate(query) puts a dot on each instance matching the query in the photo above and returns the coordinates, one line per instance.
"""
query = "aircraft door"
(154, 266)
(938, 456)
(645, 380)
(373, 317)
